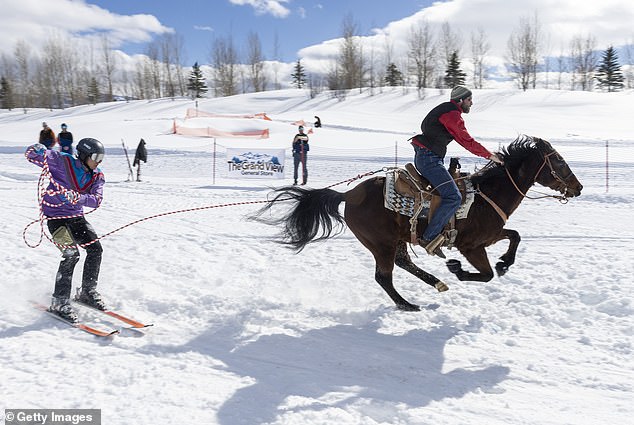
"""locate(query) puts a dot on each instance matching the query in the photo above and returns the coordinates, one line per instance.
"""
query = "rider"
(443, 124)
(76, 182)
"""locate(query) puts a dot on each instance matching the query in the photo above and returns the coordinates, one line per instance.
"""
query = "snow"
(247, 333)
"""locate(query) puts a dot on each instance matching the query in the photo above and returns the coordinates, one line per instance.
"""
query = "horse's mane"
(512, 155)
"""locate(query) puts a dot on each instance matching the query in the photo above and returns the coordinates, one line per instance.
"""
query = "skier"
(300, 154)
(76, 182)
(65, 139)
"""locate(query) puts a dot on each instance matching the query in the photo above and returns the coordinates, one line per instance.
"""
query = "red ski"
(78, 325)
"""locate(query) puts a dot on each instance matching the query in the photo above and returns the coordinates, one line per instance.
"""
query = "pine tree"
(93, 91)
(609, 71)
(196, 82)
(299, 76)
(6, 95)
(454, 76)
(393, 77)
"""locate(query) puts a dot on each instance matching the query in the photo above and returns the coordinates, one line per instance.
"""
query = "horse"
(314, 216)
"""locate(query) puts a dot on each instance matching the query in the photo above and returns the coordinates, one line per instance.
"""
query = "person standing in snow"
(443, 124)
(75, 183)
(300, 154)
(65, 140)
(47, 136)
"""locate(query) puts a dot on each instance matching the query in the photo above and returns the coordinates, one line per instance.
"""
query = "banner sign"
(255, 163)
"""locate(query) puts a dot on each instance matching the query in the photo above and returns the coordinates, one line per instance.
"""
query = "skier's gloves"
(38, 148)
(71, 197)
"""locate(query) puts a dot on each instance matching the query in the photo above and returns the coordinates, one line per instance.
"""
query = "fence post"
(396, 153)
(607, 167)
(214, 163)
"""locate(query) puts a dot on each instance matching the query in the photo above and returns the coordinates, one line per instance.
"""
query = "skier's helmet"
(90, 148)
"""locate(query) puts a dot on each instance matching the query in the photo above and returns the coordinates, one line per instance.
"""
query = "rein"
(561, 198)
(73, 197)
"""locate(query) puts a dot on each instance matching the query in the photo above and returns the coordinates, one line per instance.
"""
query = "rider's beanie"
(460, 92)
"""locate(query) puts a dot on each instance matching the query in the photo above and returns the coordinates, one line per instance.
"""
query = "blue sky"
(306, 22)
(306, 29)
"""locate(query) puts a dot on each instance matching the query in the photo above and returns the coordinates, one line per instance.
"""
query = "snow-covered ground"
(248, 333)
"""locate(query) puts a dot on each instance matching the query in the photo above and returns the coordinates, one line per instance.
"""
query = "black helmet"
(90, 148)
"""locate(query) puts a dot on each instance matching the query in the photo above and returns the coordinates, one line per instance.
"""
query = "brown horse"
(315, 215)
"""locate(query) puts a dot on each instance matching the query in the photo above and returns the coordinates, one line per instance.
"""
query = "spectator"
(65, 140)
(47, 137)
(300, 154)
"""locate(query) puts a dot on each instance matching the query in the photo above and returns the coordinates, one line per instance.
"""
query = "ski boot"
(62, 308)
(91, 298)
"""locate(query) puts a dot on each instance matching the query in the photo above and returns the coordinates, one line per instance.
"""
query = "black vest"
(435, 136)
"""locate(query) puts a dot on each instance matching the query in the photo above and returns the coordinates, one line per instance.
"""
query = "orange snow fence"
(212, 132)
(194, 113)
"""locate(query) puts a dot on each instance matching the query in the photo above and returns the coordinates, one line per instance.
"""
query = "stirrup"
(433, 247)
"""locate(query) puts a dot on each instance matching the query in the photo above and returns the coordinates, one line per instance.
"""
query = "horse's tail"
(313, 216)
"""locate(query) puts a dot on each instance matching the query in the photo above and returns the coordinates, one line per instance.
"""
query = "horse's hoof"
(441, 286)
(454, 266)
(408, 307)
(501, 268)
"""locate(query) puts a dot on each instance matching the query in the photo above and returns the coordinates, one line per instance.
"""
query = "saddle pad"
(396, 202)
(402, 204)
(469, 194)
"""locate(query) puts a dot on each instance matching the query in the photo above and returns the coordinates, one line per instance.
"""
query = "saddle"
(409, 183)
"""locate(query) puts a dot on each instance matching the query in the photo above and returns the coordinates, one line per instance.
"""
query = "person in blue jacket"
(300, 154)
(65, 140)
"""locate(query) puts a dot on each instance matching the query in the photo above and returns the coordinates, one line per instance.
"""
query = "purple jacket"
(71, 174)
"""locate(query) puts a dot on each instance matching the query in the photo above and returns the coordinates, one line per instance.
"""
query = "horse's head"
(554, 172)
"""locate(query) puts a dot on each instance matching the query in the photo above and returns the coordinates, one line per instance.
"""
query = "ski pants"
(81, 232)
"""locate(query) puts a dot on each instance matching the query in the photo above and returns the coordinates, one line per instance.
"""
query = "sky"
(248, 333)
(305, 29)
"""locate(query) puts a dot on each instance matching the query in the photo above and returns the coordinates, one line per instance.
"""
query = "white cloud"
(608, 21)
(272, 7)
(203, 28)
(33, 21)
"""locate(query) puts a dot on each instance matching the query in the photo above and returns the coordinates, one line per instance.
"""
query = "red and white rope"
(73, 197)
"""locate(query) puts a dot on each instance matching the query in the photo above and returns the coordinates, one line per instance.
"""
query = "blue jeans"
(300, 157)
(432, 167)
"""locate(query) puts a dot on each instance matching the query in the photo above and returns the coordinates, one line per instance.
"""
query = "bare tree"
(22, 53)
(584, 61)
(153, 71)
(628, 71)
(562, 67)
(276, 62)
(255, 60)
(350, 59)
(480, 47)
(421, 53)
(108, 64)
(523, 52)
(224, 60)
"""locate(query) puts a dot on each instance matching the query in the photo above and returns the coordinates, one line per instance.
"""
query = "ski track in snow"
(247, 333)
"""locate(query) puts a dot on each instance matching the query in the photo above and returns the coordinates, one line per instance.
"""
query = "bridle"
(561, 198)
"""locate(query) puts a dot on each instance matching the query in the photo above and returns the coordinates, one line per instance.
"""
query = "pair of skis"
(132, 323)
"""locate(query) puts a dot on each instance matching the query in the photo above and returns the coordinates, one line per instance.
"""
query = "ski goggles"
(97, 157)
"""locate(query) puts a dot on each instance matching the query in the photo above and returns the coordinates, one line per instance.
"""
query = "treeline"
(66, 74)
